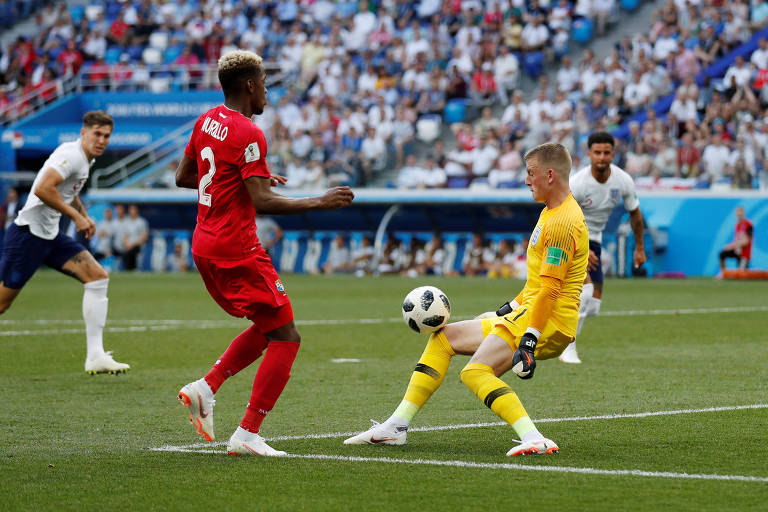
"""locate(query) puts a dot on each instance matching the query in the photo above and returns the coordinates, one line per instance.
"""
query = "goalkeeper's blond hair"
(236, 67)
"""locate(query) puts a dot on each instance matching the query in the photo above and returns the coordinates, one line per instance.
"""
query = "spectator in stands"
(105, 233)
(411, 175)
(503, 264)
(506, 72)
(70, 60)
(374, 155)
(715, 157)
(177, 260)
(9, 208)
(189, 63)
(483, 86)
(269, 233)
(688, 158)
(665, 160)
(638, 161)
(741, 246)
(478, 256)
(535, 35)
(362, 257)
(391, 257)
(738, 74)
(339, 259)
(135, 232)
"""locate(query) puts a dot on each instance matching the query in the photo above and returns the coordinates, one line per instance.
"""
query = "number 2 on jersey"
(203, 197)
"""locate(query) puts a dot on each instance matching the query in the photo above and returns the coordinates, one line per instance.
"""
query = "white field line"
(331, 435)
(173, 324)
(491, 465)
(211, 448)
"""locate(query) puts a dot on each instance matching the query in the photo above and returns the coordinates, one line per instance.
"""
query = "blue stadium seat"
(112, 55)
(170, 53)
(455, 111)
(629, 5)
(77, 12)
(457, 182)
(533, 63)
(582, 30)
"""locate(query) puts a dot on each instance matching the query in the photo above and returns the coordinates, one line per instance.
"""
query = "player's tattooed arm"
(186, 173)
(636, 222)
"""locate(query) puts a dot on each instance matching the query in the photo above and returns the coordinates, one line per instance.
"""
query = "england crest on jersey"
(535, 235)
(615, 195)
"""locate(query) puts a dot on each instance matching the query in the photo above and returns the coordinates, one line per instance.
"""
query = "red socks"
(245, 349)
(271, 378)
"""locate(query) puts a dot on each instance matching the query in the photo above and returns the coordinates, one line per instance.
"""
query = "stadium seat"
(170, 53)
(582, 30)
(457, 182)
(533, 63)
(629, 5)
(455, 111)
(112, 55)
(77, 13)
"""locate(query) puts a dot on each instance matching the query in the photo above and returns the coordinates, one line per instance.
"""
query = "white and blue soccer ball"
(426, 309)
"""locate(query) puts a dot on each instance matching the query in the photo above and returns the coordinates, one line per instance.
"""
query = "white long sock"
(586, 297)
(95, 315)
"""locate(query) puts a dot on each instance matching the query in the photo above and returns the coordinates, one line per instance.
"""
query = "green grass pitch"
(69, 441)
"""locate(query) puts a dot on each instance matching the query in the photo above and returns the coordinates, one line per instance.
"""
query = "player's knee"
(5, 304)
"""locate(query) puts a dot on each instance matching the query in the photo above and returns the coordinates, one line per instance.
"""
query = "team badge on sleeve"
(252, 152)
(279, 286)
(555, 256)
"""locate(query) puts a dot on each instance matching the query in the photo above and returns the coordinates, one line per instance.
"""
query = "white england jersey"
(70, 161)
(597, 200)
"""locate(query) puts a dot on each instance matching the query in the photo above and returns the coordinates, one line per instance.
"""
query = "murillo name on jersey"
(215, 129)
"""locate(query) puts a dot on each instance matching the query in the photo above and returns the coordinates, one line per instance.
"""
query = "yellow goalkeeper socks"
(497, 396)
(427, 377)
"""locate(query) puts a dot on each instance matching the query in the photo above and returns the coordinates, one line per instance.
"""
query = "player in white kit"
(34, 238)
(598, 188)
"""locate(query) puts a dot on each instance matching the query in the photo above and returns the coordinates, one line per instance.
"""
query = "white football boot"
(540, 447)
(198, 399)
(243, 442)
(381, 433)
(570, 355)
(105, 364)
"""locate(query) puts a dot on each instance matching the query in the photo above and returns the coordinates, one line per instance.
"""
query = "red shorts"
(247, 288)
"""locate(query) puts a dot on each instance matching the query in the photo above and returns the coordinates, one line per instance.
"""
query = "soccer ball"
(426, 309)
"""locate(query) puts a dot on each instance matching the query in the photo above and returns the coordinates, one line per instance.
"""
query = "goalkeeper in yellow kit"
(540, 323)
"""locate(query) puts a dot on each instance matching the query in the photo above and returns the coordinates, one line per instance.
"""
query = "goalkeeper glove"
(507, 308)
(523, 362)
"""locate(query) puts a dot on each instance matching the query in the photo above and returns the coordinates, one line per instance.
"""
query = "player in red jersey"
(225, 161)
(741, 247)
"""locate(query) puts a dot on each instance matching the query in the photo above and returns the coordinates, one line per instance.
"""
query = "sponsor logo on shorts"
(279, 286)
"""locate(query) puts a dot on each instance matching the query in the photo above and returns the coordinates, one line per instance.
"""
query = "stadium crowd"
(367, 86)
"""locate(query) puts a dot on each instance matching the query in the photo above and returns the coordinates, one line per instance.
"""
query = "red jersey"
(744, 230)
(228, 148)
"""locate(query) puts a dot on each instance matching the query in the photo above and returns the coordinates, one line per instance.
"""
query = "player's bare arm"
(636, 222)
(78, 205)
(267, 201)
(186, 173)
(48, 194)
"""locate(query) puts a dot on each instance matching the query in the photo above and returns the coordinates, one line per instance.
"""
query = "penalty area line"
(437, 428)
(508, 466)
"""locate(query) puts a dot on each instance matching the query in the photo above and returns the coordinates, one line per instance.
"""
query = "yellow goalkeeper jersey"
(559, 248)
